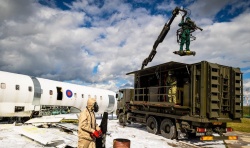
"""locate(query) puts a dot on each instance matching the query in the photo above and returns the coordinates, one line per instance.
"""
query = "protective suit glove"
(96, 134)
(100, 132)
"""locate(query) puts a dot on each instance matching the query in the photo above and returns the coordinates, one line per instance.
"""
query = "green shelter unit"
(181, 100)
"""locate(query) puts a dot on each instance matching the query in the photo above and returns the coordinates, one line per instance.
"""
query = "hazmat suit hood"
(92, 105)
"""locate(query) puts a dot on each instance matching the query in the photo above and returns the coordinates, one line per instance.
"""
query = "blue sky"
(95, 43)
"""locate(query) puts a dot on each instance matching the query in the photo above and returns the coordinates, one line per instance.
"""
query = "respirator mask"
(96, 107)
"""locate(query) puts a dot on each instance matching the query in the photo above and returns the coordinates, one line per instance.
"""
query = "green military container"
(179, 100)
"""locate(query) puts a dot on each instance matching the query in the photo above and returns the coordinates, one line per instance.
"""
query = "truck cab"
(123, 96)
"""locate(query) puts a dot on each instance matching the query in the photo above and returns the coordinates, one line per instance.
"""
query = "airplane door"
(59, 93)
(111, 103)
(37, 91)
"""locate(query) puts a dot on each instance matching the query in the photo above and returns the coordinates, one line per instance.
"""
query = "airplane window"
(75, 95)
(89, 96)
(100, 97)
(30, 88)
(121, 95)
(3, 85)
(95, 97)
(19, 108)
(82, 95)
(50, 92)
(17, 87)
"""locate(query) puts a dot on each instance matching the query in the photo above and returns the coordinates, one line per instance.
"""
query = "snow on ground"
(136, 133)
(138, 136)
(9, 138)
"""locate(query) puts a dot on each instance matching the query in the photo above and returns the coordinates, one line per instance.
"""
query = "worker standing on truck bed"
(88, 130)
(172, 87)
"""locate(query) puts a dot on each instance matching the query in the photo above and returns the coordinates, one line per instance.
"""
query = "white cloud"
(246, 71)
(201, 8)
(52, 43)
(167, 5)
(247, 84)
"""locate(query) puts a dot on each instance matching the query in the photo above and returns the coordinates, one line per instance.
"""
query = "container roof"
(162, 67)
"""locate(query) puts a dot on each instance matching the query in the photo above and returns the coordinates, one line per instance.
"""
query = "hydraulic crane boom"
(162, 35)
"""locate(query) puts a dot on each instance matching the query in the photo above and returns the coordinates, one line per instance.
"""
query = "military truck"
(207, 96)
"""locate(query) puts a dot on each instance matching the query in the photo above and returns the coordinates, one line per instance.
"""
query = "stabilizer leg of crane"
(185, 53)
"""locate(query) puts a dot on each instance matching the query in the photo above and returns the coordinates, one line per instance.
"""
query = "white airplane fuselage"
(20, 94)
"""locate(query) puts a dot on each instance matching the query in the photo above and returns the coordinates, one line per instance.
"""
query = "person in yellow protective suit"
(172, 89)
(88, 130)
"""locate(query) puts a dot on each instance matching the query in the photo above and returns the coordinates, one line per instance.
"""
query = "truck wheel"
(121, 119)
(152, 125)
(168, 129)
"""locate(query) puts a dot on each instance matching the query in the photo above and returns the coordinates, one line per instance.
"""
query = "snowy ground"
(140, 138)
(9, 138)
(137, 134)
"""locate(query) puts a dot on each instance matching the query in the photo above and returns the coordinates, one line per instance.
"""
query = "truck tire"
(121, 119)
(168, 129)
(152, 125)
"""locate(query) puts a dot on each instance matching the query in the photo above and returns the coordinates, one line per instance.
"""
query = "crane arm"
(162, 35)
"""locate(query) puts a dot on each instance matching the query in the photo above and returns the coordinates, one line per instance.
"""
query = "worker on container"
(88, 130)
(185, 34)
(172, 87)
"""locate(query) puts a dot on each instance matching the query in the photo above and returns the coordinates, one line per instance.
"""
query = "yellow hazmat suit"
(87, 125)
(172, 83)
